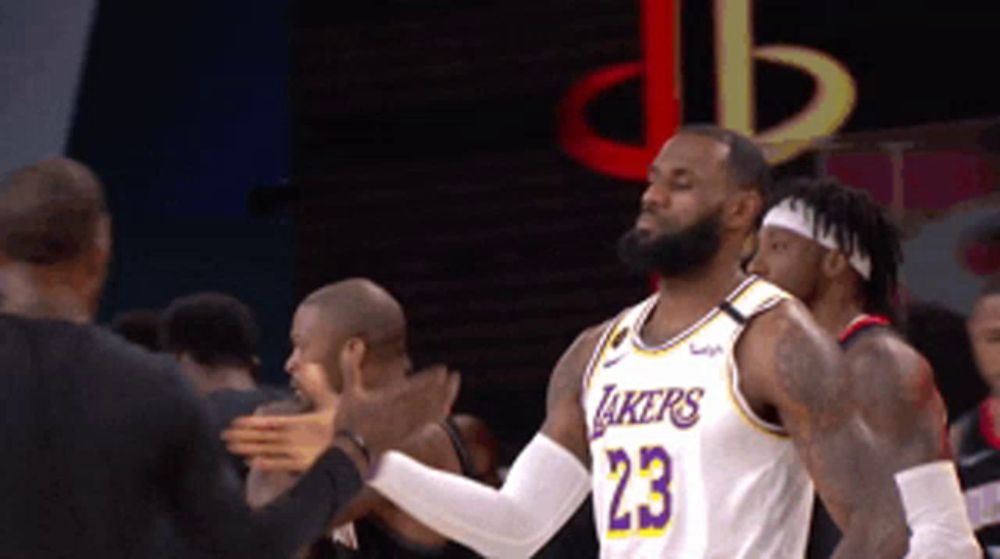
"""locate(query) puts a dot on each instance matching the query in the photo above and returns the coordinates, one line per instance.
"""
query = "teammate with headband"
(832, 247)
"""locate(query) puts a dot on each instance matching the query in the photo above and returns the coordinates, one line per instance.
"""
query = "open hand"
(281, 443)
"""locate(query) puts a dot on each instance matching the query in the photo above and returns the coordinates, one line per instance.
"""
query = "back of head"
(215, 329)
(360, 307)
(746, 162)
(140, 326)
(857, 223)
(50, 212)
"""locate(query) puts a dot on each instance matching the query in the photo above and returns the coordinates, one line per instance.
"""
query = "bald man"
(360, 316)
(100, 438)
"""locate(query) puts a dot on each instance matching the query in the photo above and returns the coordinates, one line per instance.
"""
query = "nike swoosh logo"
(613, 361)
(973, 459)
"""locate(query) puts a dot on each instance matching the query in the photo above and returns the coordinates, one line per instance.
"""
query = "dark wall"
(183, 110)
(425, 154)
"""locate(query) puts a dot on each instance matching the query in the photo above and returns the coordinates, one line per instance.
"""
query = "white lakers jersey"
(682, 468)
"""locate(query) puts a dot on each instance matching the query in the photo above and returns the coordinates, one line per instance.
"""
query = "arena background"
(265, 148)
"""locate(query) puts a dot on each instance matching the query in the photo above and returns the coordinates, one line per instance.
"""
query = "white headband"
(800, 218)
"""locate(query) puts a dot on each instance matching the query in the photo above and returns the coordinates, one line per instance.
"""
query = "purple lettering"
(647, 411)
(600, 422)
(628, 408)
(673, 396)
(686, 416)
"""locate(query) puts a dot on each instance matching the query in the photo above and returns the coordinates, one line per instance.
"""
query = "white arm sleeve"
(936, 514)
(545, 487)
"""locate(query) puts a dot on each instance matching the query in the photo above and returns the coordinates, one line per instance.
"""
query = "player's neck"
(683, 300)
(835, 311)
(25, 292)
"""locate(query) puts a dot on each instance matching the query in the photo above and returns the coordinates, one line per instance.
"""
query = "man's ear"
(834, 263)
(98, 256)
(744, 209)
(351, 359)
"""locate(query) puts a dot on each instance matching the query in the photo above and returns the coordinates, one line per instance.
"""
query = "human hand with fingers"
(364, 423)
(374, 421)
(377, 421)
(281, 443)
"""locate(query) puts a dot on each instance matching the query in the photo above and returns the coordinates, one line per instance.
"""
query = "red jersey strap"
(861, 324)
(986, 424)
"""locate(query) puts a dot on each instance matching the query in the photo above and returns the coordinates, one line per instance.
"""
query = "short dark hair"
(860, 224)
(49, 211)
(215, 328)
(139, 326)
(991, 287)
(746, 161)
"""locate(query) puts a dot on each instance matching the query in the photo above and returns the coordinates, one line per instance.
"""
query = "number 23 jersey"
(681, 466)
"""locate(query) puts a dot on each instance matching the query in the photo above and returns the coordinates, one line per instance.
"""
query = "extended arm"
(206, 499)
(546, 484)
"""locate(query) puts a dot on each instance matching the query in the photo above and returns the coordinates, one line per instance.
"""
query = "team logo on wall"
(832, 102)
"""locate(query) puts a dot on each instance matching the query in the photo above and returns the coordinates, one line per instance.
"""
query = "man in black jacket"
(99, 437)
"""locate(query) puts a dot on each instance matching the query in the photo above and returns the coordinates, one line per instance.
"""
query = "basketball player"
(214, 337)
(139, 326)
(99, 436)
(976, 434)
(833, 248)
(359, 311)
(701, 413)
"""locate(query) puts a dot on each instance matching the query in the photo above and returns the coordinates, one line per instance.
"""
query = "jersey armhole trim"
(598, 355)
(733, 380)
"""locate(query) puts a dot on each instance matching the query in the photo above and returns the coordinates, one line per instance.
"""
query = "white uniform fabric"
(936, 513)
(680, 465)
(545, 486)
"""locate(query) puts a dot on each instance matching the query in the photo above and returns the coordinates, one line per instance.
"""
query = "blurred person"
(975, 436)
(139, 326)
(215, 338)
(941, 335)
(832, 247)
(100, 438)
(358, 311)
(699, 416)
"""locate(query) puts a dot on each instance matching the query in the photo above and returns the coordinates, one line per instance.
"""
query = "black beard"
(671, 254)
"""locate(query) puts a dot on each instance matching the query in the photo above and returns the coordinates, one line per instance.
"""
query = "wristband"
(358, 441)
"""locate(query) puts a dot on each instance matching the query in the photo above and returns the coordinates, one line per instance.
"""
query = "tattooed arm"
(899, 399)
(796, 374)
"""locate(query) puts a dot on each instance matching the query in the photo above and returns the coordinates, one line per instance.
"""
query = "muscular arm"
(811, 388)
(546, 484)
(206, 501)
(898, 398)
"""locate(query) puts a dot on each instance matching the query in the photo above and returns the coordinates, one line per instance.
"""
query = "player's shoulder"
(786, 322)
(125, 359)
(579, 353)
(88, 350)
(788, 356)
(884, 352)
(568, 373)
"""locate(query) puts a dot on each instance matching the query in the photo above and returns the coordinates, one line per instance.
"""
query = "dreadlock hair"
(858, 224)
